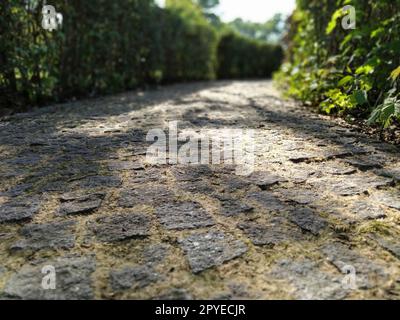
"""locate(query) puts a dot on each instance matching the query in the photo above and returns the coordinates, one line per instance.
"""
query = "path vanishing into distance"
(317, 219)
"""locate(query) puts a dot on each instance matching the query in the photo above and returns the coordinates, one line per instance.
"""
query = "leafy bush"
(345, 71)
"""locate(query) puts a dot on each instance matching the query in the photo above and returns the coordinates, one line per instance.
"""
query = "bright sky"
(253, 10)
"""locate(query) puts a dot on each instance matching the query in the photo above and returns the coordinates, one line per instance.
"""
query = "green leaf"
(345, 80)
(395, 73)
(333, 23)
(360, 97)
(366, 69)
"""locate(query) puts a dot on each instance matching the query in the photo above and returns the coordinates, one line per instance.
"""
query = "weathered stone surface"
(57, 235)
(18, 190)
(269, 201)
(363, 164)
(118, 227)
(298, 195)
(80, 204)
(271, 233)
(191, 172)
(265, 180)
(339, 169)
(308, 280)
(73, 280)
(299, 157)
(391, 245)
(206, 250)
(196, 187)
(148, 175)
(124, 165)
(352, 185)
(156, 254)
(308, 220)
(366, 210)
(133, 278)
(369, 273)
(232, 183)
(393, 173)
(183, 215)
(19, 209)
(390, 199)
(144, 195)
(232, 207)
(100, 181)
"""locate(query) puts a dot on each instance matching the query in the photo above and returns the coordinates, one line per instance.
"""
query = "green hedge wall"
(240, 57)
(103, 47)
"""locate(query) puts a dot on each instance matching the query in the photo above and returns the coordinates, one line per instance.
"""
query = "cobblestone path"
(317, 219)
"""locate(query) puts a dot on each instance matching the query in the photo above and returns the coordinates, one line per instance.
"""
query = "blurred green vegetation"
(349, 72)
(241, 57)
(110, 46)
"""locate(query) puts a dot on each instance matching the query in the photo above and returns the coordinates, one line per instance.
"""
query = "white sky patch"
(161, 3)
(253, 10)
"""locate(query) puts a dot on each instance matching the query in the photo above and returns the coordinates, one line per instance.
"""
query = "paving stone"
(363, 164)
(148, 175)
(206, 250)
(183, 215)
(352, 185)
(118, 227)
(28, 159)
(18, 190)
(338, 169)
(231, 183)
(144, 195)
(298, 195)
(100, 181)
(333, 154)
(299, 157)
(232, 207)
(196, 187)
(73, 280)
(133, 278)
(369, 273)
(269, 201)
(390, 199)
(265, 180)
(391, 245)
(156, 254)
(57, 235)
(191, 172)
(308, 220)
(124, 165)
(19, 209)
(80, 204)
(308, 280)
(393, 173)
(271, 233)
(365, 209)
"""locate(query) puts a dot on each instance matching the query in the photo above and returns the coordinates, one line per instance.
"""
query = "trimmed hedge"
(240, 57)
